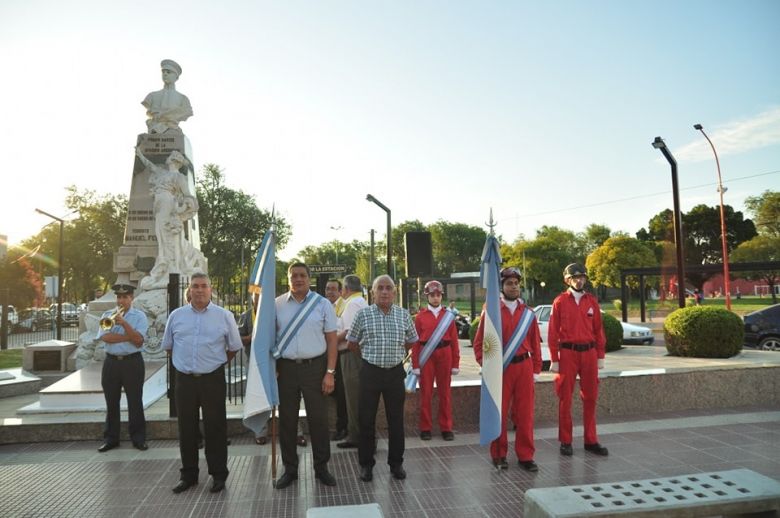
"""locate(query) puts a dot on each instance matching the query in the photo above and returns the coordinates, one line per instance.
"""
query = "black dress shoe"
(501, 463)
(286, 479)
(325, 477)
(448, 436)
(528, 465)
(140, 446)
(108, 446)
(425, 436)
(183, 485)
(566, 449)
(301, 440)
(399, 473)
(597, 449)
(217, 486)
(366, 473)
(346, 444)
(340, 435)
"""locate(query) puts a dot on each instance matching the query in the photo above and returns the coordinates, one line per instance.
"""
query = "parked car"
(70, 313)
(762, 328)
(632, 333)
(33, 319)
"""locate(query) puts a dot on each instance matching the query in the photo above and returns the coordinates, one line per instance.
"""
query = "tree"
(594, 236)
(760, 248)
(457, 247)
(659, 228)
(231, 223)
(336, 252)
(22, 282)
(765, 209)
(618, 253)
(543, 258)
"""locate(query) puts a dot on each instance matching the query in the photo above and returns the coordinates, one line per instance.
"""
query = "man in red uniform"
(577, 347)
(442, 363)
(520, 373)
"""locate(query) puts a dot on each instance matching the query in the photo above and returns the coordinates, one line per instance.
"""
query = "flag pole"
(273, 446)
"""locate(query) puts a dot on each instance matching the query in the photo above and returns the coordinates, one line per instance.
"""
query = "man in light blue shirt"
(306, 363)
(123, 368)
(201, 338)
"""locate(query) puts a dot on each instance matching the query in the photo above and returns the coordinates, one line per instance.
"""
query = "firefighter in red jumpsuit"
(443, 363)
(519, 376)
(577, 347)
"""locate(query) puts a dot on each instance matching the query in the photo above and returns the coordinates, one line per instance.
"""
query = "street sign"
(327, 268)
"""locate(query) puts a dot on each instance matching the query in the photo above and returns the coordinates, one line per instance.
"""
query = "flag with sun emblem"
(492, 350)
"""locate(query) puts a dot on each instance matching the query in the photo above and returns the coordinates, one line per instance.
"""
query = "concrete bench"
(346, 511)
(701, 494)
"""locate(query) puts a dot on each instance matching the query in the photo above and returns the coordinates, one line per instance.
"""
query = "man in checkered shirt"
(381, 334)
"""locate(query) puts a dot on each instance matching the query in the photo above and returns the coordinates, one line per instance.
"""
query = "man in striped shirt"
(381, 334)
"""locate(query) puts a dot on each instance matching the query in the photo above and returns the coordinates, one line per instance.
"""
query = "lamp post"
(59, 273)
(721, 190)
(659, 143)
(338, 245)
(389, 230)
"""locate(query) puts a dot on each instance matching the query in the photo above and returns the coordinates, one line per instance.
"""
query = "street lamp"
(59, 274)
(659, 143)
(338, 245)
(721, 190)
(389, 230)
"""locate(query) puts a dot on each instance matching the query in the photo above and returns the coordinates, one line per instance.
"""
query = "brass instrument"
(108, 322)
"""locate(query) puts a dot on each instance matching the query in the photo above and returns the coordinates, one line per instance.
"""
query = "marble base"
(32, 357)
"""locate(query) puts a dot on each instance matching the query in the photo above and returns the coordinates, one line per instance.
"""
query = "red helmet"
(509, 272)
(432, 287)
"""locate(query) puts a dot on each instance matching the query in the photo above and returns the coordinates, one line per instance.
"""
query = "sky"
(543, 112)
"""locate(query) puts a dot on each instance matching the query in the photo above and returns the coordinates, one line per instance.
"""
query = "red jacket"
(576, 324)
(509, 322)
(425, 323)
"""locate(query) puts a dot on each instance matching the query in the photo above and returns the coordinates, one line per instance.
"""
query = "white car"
(632, 334)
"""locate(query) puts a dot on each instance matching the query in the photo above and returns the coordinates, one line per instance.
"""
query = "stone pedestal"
(51, 355)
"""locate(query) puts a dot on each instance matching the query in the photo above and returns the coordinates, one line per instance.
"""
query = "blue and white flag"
(492, 345)
(262, 393)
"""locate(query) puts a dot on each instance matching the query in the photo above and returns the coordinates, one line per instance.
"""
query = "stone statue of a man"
(166, 108)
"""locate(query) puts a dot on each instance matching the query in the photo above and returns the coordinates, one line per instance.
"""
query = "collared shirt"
(382, 336)
(137, 320)
(199, 338)
(338, 306)
(352, 305)
(309, 341)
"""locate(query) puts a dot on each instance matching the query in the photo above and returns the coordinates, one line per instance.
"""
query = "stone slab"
(700, 494)
(17, 382)
(61, 348)
(346, 511)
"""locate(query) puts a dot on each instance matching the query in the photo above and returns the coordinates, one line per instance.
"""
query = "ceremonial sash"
(446, 319)
(526, 319)
(284, 338)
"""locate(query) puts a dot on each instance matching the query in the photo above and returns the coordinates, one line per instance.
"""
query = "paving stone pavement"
(447, 479)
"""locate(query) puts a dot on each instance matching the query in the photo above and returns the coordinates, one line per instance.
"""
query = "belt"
(519, 358)
(221, 368)
(441, 344)
(383, 368)
(302, 361)
(122, 357)
(580, 348)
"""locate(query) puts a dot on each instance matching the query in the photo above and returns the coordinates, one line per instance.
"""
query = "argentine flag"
(262, 394)
(492, 346)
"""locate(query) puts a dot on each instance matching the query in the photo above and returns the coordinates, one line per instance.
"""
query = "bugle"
(108, 321)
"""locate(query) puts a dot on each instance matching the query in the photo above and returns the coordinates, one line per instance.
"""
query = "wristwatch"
(330, 371)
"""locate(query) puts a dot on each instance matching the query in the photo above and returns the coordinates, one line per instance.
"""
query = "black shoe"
(326, 478)
(183, 485)
(566, 449)
(286, 479)
(200, 444)
(340, 435)
(346, 444)
(217, 486)
(448, 436)
(597, 449)
(140, 446)
(108, 446)
(366, 473)
(528, 465)
(399, 473)
(501, 463)
(425, 436)
(301, 440)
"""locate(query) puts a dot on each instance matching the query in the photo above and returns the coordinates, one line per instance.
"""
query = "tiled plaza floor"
(445, 479)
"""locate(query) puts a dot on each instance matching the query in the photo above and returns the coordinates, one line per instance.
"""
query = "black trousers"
(295, 379)
(389, 384)
(194, 394)
(127, 373)
(341, 400)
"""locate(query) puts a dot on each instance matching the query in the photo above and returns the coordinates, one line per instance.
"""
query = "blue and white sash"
(284, 338)
(526, 319)
(446, 319)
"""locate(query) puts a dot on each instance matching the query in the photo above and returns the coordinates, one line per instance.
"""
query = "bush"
(618, 304)
(613, 331)
(703, 332)
(473, 329)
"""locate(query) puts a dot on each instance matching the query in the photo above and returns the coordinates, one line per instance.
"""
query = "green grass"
(11, 358)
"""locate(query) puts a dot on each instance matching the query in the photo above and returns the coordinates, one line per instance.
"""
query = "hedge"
(703, 332)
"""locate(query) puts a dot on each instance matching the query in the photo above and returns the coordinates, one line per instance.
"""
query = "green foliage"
(764, 247)
(23, 283)
(703, 332)
(457, 247)
(618, 304)
(618, 253)
(473, 329)
(613, 331)
(766, 212)
(546, 256)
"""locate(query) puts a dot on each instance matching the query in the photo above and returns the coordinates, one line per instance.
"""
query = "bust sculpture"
(166, 108)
